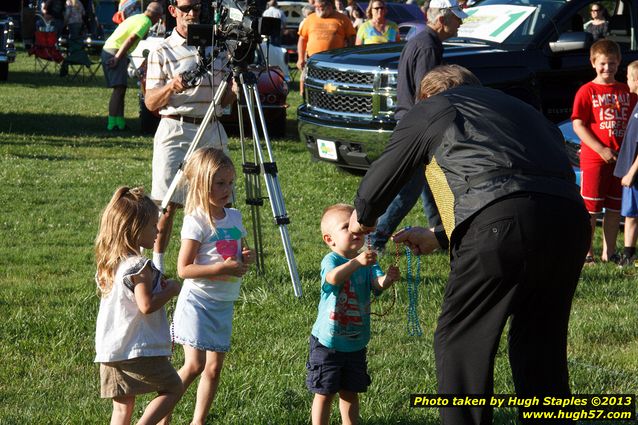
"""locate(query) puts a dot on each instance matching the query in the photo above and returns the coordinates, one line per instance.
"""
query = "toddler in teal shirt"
(337, 360)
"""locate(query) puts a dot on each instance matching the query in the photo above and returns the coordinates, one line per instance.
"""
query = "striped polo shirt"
(173, 57)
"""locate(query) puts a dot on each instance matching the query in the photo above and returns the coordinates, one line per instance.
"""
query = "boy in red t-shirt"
(601, 111)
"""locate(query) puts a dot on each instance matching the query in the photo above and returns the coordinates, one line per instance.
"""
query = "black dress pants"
(519, 258)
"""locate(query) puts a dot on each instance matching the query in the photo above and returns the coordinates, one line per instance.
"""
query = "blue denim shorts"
(202, 323)
(330, 371)
(629, 206)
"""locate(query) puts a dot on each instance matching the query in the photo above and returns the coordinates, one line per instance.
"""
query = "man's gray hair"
(433, 13)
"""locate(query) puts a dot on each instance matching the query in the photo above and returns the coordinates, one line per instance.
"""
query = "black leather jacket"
(478, 145)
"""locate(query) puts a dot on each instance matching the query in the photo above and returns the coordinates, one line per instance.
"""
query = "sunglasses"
(595, 10)
(379, 8)
(187, 8)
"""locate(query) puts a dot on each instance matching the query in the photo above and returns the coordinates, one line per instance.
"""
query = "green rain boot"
(112, 123)
(120, 122)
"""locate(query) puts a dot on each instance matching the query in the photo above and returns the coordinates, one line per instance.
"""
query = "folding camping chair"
(45, 49)
(77, 64)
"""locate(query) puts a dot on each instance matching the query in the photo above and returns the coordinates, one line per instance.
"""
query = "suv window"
(543, 12)
(617, 15)
(620, 27)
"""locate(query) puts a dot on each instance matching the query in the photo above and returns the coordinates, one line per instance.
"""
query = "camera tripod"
(251, 170)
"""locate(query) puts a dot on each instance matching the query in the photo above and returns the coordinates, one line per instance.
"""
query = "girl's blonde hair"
(199, 172)
(121, 226)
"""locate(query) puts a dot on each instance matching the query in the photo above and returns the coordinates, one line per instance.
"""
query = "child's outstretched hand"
(247, 256)
(367, 258)
(172, 286)
(233, 267)
(392, 275)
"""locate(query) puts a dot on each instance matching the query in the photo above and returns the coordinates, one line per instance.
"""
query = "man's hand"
(112, 63)
(177, 84)
(302, 43)
(235, 88)
(419, 239)
(357, 228)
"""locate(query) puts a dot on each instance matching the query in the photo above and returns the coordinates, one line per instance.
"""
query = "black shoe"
(615, 258)
(626, 261)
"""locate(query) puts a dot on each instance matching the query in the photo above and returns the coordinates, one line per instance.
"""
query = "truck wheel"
(148, 121)
(4, 71)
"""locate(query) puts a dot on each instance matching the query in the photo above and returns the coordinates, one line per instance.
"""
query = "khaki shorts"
(138, 376)
(171, 142)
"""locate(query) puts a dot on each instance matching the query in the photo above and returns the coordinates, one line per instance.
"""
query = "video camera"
(237, 27)
(241, 28)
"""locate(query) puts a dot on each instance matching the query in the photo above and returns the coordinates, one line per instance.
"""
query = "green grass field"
(59, 167)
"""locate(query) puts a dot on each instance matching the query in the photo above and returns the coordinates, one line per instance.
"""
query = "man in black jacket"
(516, 225)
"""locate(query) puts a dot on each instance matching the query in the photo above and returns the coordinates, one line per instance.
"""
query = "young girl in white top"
(132, 338)
(212, 260)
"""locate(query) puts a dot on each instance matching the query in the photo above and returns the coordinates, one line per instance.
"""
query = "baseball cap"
(453, 5)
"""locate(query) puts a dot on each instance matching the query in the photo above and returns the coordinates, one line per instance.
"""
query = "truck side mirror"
(571, 41)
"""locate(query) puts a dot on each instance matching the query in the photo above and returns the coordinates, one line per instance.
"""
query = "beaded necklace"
(413, 282)
(414, 327)
(396, 263)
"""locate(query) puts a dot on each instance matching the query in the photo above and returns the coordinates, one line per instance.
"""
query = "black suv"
(535, 50)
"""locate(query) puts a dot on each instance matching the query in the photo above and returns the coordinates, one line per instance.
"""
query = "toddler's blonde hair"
(118, 236)
(329, 212)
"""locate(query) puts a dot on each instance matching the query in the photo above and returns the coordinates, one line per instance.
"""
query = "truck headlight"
(390, 80)
(388, 103)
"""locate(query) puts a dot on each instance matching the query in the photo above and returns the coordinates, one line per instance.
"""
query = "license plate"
(327, 149)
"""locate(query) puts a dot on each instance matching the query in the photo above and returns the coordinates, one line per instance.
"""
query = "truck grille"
(326, 74)
(341, 103)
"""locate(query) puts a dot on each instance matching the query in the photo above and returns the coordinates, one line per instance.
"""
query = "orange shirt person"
(325, 29)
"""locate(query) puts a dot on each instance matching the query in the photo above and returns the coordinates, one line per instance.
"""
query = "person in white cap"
(425, 51)
(420, 55)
